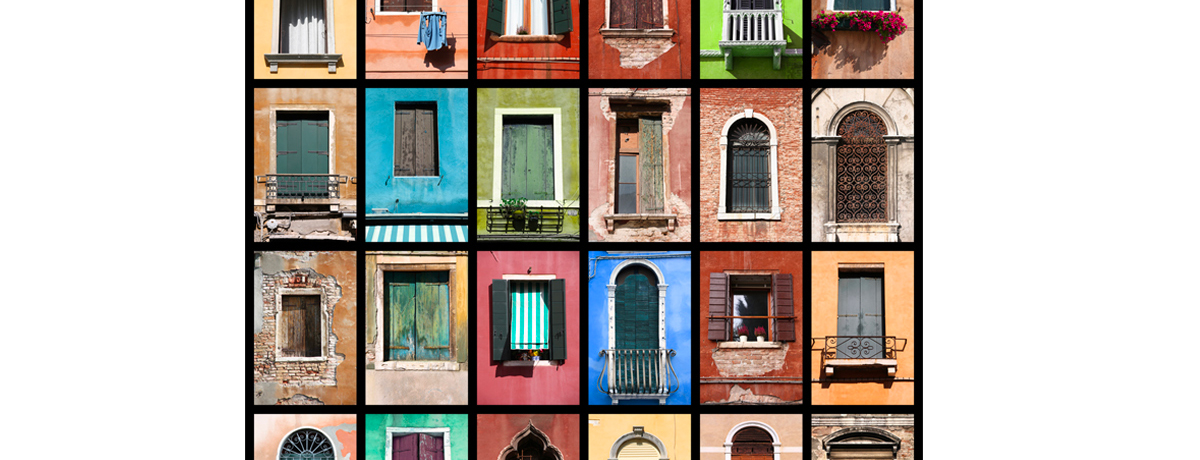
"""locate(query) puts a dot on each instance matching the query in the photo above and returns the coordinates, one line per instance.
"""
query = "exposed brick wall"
(784, 108)
(298, 373)
(733, 362)
(637, 52)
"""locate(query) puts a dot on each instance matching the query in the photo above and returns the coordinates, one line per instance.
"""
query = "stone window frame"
(829, 7)
(379, 10)
(893, 139)
(733, 342)
(668, 215)
(530, 430)
(275, 57)
(498, 155)
(326, 318)
(776, 211)
(776, 444)
(539, 363)
(886, 439)
(664, 32)
(381, 363)
(392, 431)
(638, 432)
(612, 302)
(279, 450)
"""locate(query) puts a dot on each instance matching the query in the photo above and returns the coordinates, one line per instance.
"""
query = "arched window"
(752, 441)
(638, 445)
(637, 328)
(861, 168)
(861, 443)
(530, 444)
(749, 168)
(307, 444)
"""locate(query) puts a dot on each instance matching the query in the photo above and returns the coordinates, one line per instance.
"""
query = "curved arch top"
(658, 444)
(329, 439)
(752, 423)
(885, 437)
(530, 430)
(749, 113)
(831, 129)
(612, 279)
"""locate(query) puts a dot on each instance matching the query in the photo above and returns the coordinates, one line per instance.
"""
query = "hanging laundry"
(433, 30)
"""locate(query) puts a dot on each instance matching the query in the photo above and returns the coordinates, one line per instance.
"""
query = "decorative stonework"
(886, 433)
(268, 366)
(534, 432)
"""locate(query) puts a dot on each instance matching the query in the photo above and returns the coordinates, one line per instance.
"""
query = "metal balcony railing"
(302, 188)
(638, 374)
(858, 347)
(752, 33)
(533, 220)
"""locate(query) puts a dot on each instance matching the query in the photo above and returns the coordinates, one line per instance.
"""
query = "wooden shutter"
(425, 161)
(781, 288)
(495, 17)
(300, 326)
(500, 312)
(405, 447)
(560, 16)
(433, 316)
(400, 315)
(638, 449)
(527, 159)
(558, 319)
(651, 177)
(718, 305)
(650, 16)
(863, 5)
(431, 447)
(405, 152)
(623, 14)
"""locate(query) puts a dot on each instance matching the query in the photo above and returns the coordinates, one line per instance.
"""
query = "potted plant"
(522, 31)
(533, 220)
(761, 332)
(534, 354)
(887, 25)
(741, 332)
(514, 210)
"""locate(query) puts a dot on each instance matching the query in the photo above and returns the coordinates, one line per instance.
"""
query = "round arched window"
(861, 168)
(306, 444)
(752, 443)
(749, 181)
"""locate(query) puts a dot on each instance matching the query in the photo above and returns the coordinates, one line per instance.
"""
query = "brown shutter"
(781, 289)
(403, 154)
(425, 139)
(718, 305)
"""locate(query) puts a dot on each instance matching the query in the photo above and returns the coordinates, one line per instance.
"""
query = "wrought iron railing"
(532, 220)
(858, 347)
(299, 188)
(638, 373)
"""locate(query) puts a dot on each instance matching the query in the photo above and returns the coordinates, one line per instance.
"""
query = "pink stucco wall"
(526, 385)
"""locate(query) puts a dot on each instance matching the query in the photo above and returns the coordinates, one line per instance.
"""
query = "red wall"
(567, 47)
(526, 385)
(605, 61)
(496, 431)
(791, 262)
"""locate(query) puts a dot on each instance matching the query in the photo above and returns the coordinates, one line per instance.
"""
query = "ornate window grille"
(307, 444)
(749, 168)
(861, 168)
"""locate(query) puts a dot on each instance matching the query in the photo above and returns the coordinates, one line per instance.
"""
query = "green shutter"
(433, 316)
(398, 329)
(495, 17)
(558, 319)
(637, 313)
(527, 160)
(650, 148)
(500, 311)
(718, 305)
(560, 16)
(781, 289)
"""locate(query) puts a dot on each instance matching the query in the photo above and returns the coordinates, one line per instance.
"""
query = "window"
(403, 443)
(636, 14)
(752, 301)
(527, 161)
(306, 444)
(392, 7)
(638, 445)
(752, 4)
(416, 149)
(530, 444)
(303, 33)
(529, 318)
(418, 316)
(300, 326)
(535, 17)
(749, 169)
(862, 168)
(302, 159)
(860, 315)
(861, 5)
(861, 443)
(752, 441)
(639, 166)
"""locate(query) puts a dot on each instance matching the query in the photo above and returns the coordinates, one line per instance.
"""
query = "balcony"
(535, 219)
(752, 33)
(864, 352)
(321, 189)
(638, 374)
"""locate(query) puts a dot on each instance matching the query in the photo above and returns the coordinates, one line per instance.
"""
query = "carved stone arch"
(831, 129)
(612, 302)
(775, 442)
(533, 432)
(612, 279)
(616, 447)
(284, 440)
(876, 436)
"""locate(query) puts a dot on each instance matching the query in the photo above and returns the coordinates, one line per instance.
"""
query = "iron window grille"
(306, 444)
(749, 168)
(861, 168)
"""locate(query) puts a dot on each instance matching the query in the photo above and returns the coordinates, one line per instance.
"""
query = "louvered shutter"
(650, 17)
(860, 313)
(558, 319)
(870, 301)
(405, 152)
(495, 17)
(638, 449)
(500, 312)
(650, 145)
(623, 14)
(560, 16)
(718, 305)
(781, 288)
(425, 143)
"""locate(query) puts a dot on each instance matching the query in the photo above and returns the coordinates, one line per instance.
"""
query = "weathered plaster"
(270, 430)
(445, 193)
(376, 437)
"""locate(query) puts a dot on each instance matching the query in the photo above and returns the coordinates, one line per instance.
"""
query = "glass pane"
(628, 167)
(627, 198)
(749, 303)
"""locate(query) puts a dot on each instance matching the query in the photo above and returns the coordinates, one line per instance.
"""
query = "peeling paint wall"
(340, 102)
(855, 54)
(376, 426)
(500, 429)
(271, 429)
(447, 193)
(716, 428)
(674, 430)
(330, 382)
(641, 57)
(393, 51)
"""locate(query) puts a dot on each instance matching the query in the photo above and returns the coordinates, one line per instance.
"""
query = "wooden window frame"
(637, 173)
(776, 210)
(609, 29)
(442, 432)
(770, 305)
(498, 156)
(437, 164)
(776, 321)
(379, 10)
(381, 361)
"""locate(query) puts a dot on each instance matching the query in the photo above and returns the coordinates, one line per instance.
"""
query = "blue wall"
(447, 194)
(678, 274)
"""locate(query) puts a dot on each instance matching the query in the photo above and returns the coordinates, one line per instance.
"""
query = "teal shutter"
(527, 161)
(398, 329)
(637, 330)
(500, 311)
(718, 305)
(495, 17)
(781, 289)
(558, 319)
(433, 316)
(560, 16)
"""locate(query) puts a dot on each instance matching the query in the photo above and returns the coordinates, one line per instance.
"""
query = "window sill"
(833, 364)
(611, 219)
(637, 33)
(314, 359)
(751, 344)
(773, 215)
(527, 38)
(417, 366)
(876, 232)
(330, 59)
(540, 363)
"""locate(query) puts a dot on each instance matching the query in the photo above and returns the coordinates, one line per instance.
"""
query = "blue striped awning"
(416, 233)
(530, 316)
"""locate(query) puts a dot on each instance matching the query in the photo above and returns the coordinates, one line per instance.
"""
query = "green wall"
(493, 98)
(377, 424)
(745, 67)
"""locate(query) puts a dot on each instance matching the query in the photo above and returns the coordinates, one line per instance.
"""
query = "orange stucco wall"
(393, 51)
(342, 103)
(345, 42)
(899, 321)
(569, 46)
(853, 54)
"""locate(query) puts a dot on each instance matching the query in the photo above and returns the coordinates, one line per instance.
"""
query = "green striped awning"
(530, 316)
(417, 233)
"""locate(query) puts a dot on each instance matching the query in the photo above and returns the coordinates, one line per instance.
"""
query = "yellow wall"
(345, 16)
(899, 321)
(674, 430)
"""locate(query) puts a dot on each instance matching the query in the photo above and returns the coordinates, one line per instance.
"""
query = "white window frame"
(437, 264)
(829, 7)
(776, 211)
(379, 10)
(331, 55)
(444, 433)
(279, 450)
(776, 446)
(498, 155)
(279, 293)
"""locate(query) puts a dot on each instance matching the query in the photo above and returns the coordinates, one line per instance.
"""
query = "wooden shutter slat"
(650, 15)
(433, 316)
(623, 16)
(495, 17)
(782, 289)
(399, 327)
(405, 152)
(500, 314)
(650, 145)
(560, 16)
(558, 319)
(718, 305)
(426, 143)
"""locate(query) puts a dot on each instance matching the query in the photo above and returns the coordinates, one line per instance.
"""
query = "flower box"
(887, 25)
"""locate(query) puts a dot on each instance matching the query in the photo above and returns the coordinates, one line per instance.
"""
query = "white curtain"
(538, 15)
(514, 12)
(303, 23)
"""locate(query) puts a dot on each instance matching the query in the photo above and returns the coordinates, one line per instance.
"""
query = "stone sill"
(832, 364)
(751, 344)
(526, 38)
(545, 363)
(274, 59)
(417, 366)
(637, 33)
(749, 215)
(611, 219)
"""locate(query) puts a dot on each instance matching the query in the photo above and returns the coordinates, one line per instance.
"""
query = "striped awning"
(416, 233)
(530, 316)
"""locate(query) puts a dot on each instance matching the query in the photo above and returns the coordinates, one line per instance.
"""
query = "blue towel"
(433, 31)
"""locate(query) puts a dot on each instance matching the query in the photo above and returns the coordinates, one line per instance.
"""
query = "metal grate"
(302, 187)
(862, 169)
(749, 168)
(550, 220)
(306, 444)
(638, 372)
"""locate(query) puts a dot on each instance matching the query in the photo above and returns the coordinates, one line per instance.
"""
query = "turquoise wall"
(377, 424)
(444, 194)
(711, 15)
